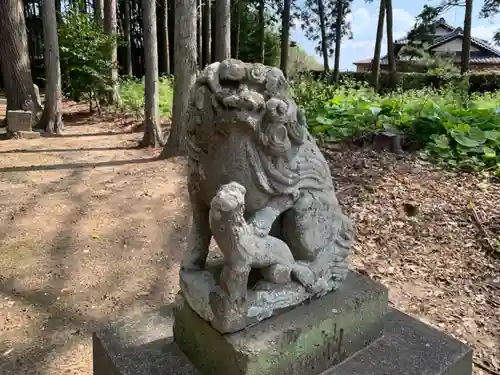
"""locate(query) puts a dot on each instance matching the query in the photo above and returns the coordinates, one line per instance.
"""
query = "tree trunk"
(128, 42)
(236, 26)
(378, 46)
(110, 29)
(222, 29)
(153, 135)
(99, 12)
(262, 30)
(285, 36)
(185, 57)
(83, 6)
(338, 40)
(467, 37)
(58, 11)
(163, 47)
(393, 74)
(213, 24)
(199, 37)
(207, 33)
(324, 42)
(14, 58)
(51, 119)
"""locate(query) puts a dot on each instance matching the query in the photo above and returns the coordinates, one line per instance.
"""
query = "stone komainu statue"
(260, 186)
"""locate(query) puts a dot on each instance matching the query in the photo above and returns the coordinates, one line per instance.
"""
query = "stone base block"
(142, 345)
(19, 121)
(307, 339)
(25, 135)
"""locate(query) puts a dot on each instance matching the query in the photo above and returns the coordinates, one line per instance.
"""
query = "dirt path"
(92, 229)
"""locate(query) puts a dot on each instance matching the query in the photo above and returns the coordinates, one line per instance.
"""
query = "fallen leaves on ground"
(416, 235)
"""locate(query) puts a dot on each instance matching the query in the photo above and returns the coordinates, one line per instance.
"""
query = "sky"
(364, 19)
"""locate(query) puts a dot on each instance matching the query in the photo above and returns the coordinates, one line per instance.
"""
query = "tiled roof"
(458, 32)
(441, 22)
(473, 60)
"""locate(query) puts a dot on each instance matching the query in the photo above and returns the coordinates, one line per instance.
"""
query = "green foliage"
(460, 136)
(249, 50)
(84, 54)
(132, 96)
(417, 55)
(311, 25)
(480, 82)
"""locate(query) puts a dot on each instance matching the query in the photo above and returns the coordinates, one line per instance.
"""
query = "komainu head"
(253, 99)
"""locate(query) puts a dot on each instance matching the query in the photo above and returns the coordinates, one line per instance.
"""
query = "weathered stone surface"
(260, 186)
(25, 135)
(19, 121)
(140, 344)
(307, 339)
(409, 347)
(263, 300)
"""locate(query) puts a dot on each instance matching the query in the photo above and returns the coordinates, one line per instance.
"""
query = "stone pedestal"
(308, 339)
(19, 125)
(19, 121)
(348, 332)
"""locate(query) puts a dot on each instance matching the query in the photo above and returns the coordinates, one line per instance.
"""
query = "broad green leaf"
(324, 121)
(492, 135)
(477, 134)
(489, 153)
(464, 140)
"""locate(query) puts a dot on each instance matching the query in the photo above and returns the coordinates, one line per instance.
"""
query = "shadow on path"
(27, 151)
(54, 167)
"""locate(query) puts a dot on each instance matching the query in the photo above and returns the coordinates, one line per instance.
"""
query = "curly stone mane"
(253, 98)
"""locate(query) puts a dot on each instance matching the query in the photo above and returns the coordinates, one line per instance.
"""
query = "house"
(446, 39)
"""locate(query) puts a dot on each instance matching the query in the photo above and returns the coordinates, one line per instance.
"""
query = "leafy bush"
(479, 82)
(84, 51)
(132, 96)
(466, 136)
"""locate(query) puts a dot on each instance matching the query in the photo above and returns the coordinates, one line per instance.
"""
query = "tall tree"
(324, 41)
(285, 36)
(222, 29)
(163, 40)
(199, 33)
(99, 12)
(262, 30)
(110, 24)
(338, 39)
(236, 8)
(126, 35)
(184, 74)
(83, 6)
(393, 74)
(213, 27)
(378, 46)
(14, 58)
(58, 11)
(466, 41)
(153, 135)
(51, 119)
(324, 22)
(110, 29)
(206, 49)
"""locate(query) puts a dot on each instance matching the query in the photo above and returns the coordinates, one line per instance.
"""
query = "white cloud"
(485, 32)
(364, 27)
(361, 21)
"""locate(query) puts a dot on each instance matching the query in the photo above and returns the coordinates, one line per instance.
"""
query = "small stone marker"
(19, 121)
(19, 125)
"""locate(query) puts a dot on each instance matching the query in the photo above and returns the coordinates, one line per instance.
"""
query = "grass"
(132, 96)
(453, 128)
